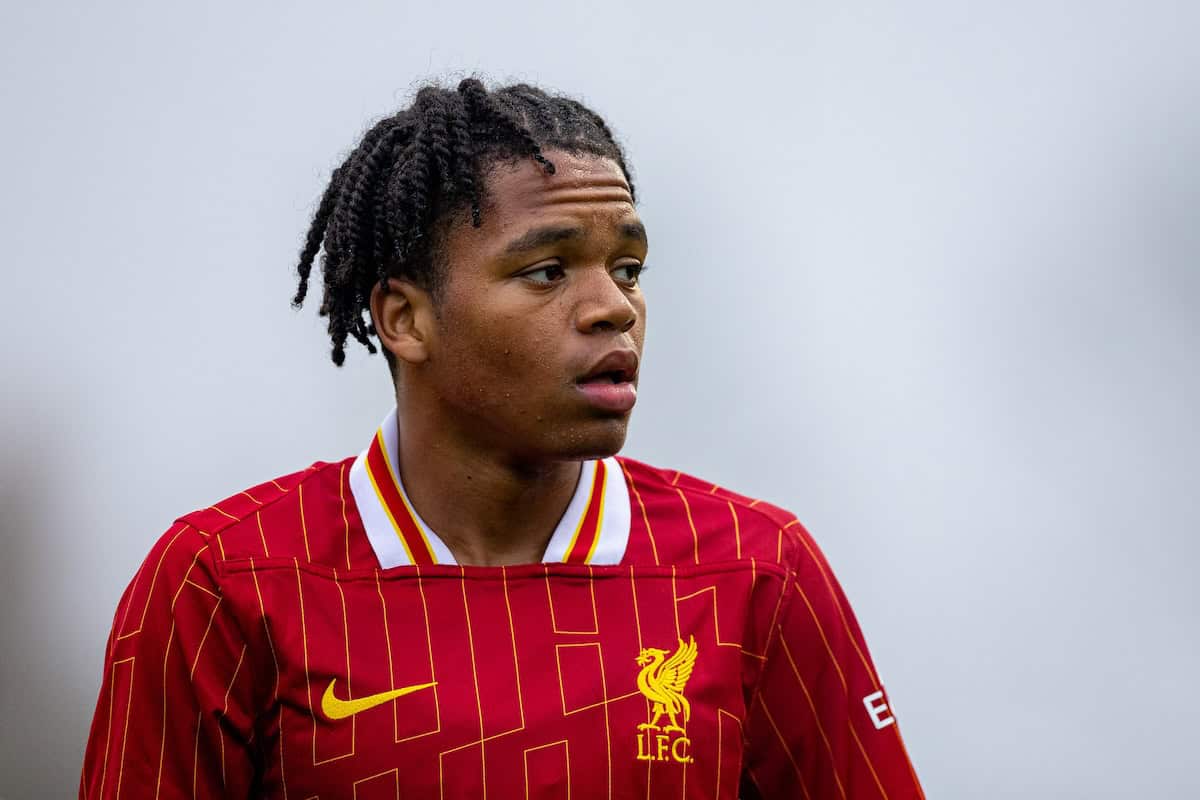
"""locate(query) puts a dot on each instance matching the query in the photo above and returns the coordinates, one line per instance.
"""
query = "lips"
(619, 366)
(608, 385)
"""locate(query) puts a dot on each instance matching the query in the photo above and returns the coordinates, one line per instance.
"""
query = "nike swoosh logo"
(335, 708)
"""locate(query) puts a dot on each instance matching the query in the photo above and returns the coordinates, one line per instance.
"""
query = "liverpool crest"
(662, 681)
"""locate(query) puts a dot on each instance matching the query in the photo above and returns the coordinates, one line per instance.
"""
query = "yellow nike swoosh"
(335, 708)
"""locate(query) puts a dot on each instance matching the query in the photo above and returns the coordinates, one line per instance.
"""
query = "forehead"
(521, 192)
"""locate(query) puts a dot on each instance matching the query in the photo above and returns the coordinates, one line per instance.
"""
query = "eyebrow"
(553, 234)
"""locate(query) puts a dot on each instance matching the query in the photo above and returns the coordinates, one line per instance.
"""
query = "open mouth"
(610, 390)
(610, 377)
(608, 385)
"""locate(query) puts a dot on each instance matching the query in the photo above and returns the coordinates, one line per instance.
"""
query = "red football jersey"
(311, 637)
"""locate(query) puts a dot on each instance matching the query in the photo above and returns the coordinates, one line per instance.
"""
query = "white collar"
(593, 530)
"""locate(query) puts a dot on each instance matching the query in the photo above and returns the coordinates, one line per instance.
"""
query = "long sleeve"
(174, 717)
(820, 725)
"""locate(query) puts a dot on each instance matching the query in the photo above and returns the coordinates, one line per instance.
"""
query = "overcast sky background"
(925, 273)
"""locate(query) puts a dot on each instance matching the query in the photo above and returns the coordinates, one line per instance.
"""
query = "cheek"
(499, 355)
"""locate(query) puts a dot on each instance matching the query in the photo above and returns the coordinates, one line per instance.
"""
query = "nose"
(604, 306)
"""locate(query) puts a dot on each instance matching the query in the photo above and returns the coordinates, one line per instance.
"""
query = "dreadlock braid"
(482, 106)
(464, 149)
(312, 242)
(414, 171)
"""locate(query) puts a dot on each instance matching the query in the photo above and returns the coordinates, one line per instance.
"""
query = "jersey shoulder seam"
(189, 518)
(781, 518)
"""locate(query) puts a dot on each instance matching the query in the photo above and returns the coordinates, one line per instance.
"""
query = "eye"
(629, 273)
(545, 274)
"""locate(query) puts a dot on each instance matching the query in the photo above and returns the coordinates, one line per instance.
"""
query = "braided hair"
(416, 169)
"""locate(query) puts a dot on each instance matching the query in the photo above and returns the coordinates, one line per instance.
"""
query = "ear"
(404, 319)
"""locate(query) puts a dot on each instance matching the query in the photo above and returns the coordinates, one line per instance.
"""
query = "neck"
(501, 510)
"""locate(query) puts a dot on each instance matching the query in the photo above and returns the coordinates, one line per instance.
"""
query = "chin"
(599, 438)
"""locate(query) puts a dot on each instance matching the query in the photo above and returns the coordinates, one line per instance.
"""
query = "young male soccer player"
(487, 601)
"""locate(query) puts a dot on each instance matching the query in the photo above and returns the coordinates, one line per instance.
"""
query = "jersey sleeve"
(174, 717)
(820, 724)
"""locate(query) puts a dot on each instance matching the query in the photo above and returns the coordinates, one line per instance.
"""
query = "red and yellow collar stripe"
(391, 497)
(587, 533)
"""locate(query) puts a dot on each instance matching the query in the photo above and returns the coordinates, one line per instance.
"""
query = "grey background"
(925, 273)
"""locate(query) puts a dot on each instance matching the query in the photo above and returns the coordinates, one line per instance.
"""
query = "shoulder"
(693, 520)
(286, 517)
(226, 528)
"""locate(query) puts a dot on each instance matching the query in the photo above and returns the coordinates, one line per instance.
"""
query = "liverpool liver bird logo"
(662, 680)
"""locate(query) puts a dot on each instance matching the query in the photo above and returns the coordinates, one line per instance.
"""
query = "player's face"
(538, 299)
